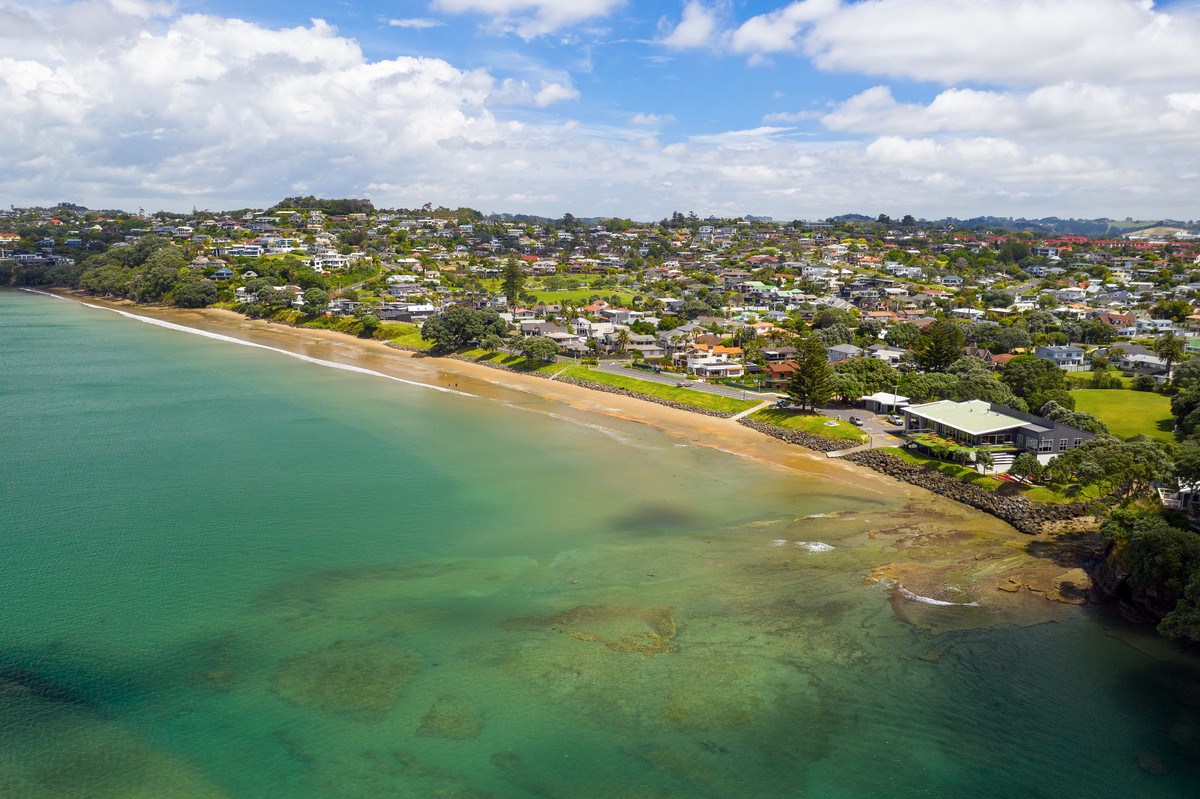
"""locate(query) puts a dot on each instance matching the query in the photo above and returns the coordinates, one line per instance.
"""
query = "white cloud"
(789, 116)
(699, 27)
(554, 93)
(530, 18)
(419, 23)
(776, 31)
(1005, 42)
(1086, 113)
(114, 109)
(652, 120)
(520, 92)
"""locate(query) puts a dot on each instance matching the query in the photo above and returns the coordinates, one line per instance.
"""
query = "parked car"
(681, 384)
(895, 419)
(856, 420)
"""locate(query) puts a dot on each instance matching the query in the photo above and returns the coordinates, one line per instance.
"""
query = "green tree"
(940, 347)
(160, 273)
(1010, 339)
(811, 383)
(538, 348)
(902, 335)
(1170, 349)
(1026, 466)
(872, 373)
(1036, 380)
(513, 282)
(1187, 374)
(315, 302)
(492, 342)
(276, 297)
(459, 326)
(195, 294)
(370, 324)
(1127, 469)
(846, 387)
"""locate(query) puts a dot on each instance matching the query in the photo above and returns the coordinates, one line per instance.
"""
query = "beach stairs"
(841, 452)
(1001, 461)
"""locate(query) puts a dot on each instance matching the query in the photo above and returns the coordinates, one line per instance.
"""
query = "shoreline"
(1036, 577)
(488, 381)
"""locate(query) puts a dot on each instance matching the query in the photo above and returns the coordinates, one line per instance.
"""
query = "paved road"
(620, 368)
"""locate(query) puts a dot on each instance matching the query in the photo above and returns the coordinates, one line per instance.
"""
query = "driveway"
(883, 434)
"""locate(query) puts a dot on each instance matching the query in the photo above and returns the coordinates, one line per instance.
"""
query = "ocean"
(229, 571)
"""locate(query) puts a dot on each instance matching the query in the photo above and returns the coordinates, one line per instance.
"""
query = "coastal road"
(620, 368)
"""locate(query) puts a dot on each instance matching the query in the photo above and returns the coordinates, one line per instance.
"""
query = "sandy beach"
(998, 562)
(490, 383)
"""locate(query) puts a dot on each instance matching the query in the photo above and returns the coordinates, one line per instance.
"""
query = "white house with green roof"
(985, 424)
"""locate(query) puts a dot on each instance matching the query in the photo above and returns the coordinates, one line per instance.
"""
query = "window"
(1078, 443)
(1046, 445)
(1062, 444)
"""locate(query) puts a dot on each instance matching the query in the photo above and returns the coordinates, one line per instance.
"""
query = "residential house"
(840, 352)
(977, 423)
(1069, 358)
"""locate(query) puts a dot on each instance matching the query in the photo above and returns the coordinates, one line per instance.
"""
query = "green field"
(1128, 413)
(809, 423)
(686, 396)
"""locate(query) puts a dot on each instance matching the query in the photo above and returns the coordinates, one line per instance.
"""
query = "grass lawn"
(809, 423)
(1128, 413)
(985, 481)
(686, 396)
(513, 361)
(990, 483)
(408, 335)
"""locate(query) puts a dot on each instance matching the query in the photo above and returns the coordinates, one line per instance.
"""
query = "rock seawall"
(797, 437)
(1022, 514)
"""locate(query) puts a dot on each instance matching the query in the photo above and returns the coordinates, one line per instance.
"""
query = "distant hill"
(1050, 225)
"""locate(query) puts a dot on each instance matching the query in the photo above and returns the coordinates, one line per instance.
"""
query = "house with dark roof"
(1005, 432)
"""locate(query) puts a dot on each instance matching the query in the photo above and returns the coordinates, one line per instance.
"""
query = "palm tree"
(1170, 349)
(623, 339)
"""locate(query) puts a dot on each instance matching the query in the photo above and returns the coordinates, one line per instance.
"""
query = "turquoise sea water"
(227, 572)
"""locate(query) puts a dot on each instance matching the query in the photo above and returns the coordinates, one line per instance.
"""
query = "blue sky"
(601, 107)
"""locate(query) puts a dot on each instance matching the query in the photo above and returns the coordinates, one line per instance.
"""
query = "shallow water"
(231, 573)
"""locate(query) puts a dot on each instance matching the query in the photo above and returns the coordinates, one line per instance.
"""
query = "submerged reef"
(362, 679)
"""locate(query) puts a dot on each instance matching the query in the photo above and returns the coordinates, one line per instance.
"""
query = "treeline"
(154, 270)
(333, 207)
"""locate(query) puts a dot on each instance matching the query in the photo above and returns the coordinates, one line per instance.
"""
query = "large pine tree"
(940, 347)
(812, 382)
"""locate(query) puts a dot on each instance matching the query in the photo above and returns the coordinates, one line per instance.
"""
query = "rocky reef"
(360, 679)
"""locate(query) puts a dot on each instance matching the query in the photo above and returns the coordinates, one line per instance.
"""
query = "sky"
(794, 110)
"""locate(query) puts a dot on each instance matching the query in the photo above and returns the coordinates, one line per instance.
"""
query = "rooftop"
(974, 417)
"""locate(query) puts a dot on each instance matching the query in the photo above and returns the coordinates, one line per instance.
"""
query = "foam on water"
(815, 546)
(231, 340)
